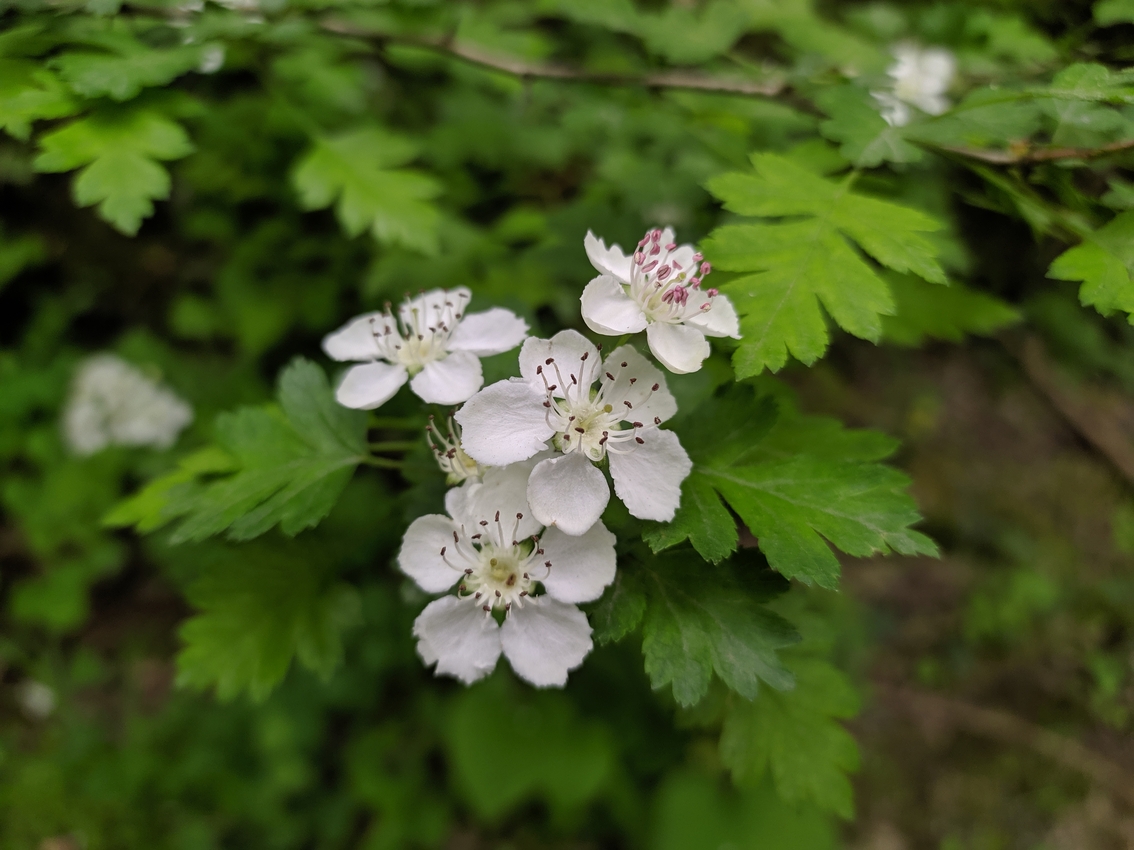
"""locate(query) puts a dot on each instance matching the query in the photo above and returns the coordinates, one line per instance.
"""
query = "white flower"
(921, 78)
(657, 290)
(555, 401)
(114, 403)
(36, 700)
(431, 340)
(502, 558)
(457, 466)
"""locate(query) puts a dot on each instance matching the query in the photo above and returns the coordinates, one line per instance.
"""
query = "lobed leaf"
(1104, 262)
(358, 172)
(118, 154)
(810, 261)
(796, 738)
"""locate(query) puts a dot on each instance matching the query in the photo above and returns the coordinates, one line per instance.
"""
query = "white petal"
(610, 260)
(434, 304)
(607, 309)
(420, 557)
(504, 489)
(571, 353)
(719, 320)
(680, 348)
(491, 332)
(635, 383)
(457, 636)
(581, 567)
(544, 640)
(504, 423)
(648, 479)
(568, 492)
(449, 381)
(370, 385)
(355, 339)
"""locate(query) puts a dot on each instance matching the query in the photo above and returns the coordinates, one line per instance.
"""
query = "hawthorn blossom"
(921, 77)
(430, 342)
(505, 564)
(556, 406)
(112, 402)
(658, 290)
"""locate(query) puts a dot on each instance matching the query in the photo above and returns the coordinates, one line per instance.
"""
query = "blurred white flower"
(35, 699)
(212, 59)
(658, 290)
(113, 403)
(430, 342)
(921, 77)
(555, 401)
(502, 558)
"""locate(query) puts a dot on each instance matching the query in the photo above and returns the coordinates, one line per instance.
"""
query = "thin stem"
(539, 70)
(382, 462)
(622, 340)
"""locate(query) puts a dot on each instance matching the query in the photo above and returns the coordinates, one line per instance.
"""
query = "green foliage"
(793, 498)
(1109, 12)
(576, 757)
(258, 610)
(939, 312)
(699, 620)
(1105, 264)
(30, 93)
(357, 171)
(289, 465)
(808, 261)
(119, 154)
(126, 68)
(796, 738)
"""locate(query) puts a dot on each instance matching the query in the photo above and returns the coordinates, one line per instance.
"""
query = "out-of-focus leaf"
(358, 172)
(119, 154)
(29, 93)
(942, 312)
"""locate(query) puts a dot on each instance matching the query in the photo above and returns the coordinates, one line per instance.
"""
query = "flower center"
(666, 284)
(498, 571)
(420, 332)
(586, 420)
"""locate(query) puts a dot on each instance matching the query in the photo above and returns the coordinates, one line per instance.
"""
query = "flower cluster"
(522, 540)
(114, 403)
(920, 76)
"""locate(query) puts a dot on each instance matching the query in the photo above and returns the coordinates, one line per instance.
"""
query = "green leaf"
(941, 312)
(1104, 262)
(357, 171)
(810, 260)
(807, 482)
(796, 738)
(118, 153)
(18, 253)
(289, 465)
(701, 620)
(123, 73)
(864, 136)
(260, 607)
(576, 756)
(1109, 12)
(30, 93)
(619, 611)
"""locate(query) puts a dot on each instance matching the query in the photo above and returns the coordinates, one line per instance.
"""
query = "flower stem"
(382, 462)
(622, 340)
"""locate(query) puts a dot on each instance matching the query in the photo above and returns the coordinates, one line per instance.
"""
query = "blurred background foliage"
(207, 188)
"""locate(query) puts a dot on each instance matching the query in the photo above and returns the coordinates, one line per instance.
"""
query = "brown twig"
(1003, 726)
(1092, 416)
(1026, 154)
(474, 55)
